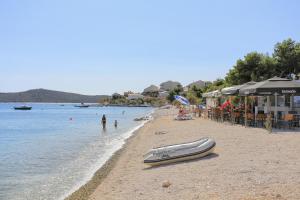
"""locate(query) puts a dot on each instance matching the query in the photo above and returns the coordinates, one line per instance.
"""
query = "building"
(135, 96)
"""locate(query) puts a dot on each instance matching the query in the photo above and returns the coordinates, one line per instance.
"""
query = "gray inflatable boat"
(180, 152)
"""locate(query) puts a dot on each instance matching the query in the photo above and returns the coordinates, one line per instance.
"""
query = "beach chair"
(250, 119)
(236, 117)
(217, 114)
(260, 119)
(287, 121)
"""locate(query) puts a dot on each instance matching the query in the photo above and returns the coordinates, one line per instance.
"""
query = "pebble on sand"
(166, 184)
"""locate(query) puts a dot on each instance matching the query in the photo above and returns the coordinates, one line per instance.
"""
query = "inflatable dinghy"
(180, 152)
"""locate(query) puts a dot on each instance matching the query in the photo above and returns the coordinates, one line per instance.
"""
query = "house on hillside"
(185, 89)
(163, 94)
(116, 96)
(127, 93)
(135, 96)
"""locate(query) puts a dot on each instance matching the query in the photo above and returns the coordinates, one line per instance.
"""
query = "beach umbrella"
(182, 100)
(234, 90)
(213, 94)
(275, 85)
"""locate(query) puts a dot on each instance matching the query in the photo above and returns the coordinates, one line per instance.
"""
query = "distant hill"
(49, 96)
(169, 85)
(199, 84)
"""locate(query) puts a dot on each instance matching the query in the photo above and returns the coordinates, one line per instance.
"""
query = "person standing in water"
(103, 121)
(116, 123)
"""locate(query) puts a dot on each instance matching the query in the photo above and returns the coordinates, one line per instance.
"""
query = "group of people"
(103, 122)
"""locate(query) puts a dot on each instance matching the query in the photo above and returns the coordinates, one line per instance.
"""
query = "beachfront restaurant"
(212, 100)
(251, 103)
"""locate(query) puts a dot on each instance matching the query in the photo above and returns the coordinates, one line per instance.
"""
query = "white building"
(135, 96)
(163, 94)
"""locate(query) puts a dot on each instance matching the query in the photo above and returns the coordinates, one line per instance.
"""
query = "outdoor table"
(297, 119)
(260, 118)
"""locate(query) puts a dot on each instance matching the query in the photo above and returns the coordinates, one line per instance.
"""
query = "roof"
(233, 90)
(215, 93)
(116, 94)
(272, 86)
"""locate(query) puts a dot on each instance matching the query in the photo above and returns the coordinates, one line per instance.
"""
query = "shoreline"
(242, 166)
(84, 191)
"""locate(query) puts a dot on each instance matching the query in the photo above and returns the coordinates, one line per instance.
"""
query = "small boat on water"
(82, 105)
(22, 107)
(180, 152)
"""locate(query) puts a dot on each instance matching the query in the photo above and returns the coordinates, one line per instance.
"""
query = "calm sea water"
(51, 150)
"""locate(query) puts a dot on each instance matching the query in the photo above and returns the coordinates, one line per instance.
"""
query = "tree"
(197, 91)
(287, 54)
(175, 91)
(254, 67)
(232, 77)
(216, 85)
(192, 98)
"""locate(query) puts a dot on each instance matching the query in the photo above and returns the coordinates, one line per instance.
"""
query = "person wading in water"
(104, 122)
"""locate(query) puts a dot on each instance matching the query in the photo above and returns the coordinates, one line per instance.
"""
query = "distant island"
(50, 96)
(151, 96)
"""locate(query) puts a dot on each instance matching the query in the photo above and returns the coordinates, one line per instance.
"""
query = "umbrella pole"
(269, 117)
(231, 110)
(268, 104)
(275, 110)
(245, 110)
(291, 102)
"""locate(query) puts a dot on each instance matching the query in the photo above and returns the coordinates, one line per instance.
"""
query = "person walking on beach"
(116, 123)
(103, 121)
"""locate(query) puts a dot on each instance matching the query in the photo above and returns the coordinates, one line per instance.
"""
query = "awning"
(212, 94)
(234, 90)
(275, 85)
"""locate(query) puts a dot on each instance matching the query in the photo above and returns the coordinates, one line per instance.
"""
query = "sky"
(102, 47)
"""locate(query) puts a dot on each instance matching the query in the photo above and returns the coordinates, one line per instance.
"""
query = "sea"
(50, 151)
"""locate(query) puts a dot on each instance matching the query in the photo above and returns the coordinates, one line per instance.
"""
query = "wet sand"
(249, 163)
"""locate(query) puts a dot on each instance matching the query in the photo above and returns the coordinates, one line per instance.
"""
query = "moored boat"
(180, 152)
(22, 107)
(82, 105)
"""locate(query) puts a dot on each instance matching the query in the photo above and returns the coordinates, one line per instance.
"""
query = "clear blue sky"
(101, 47)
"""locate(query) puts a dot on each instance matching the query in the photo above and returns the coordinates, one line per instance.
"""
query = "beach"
(248, 163)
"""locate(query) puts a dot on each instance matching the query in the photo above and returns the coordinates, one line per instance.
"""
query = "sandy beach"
(249, 163)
